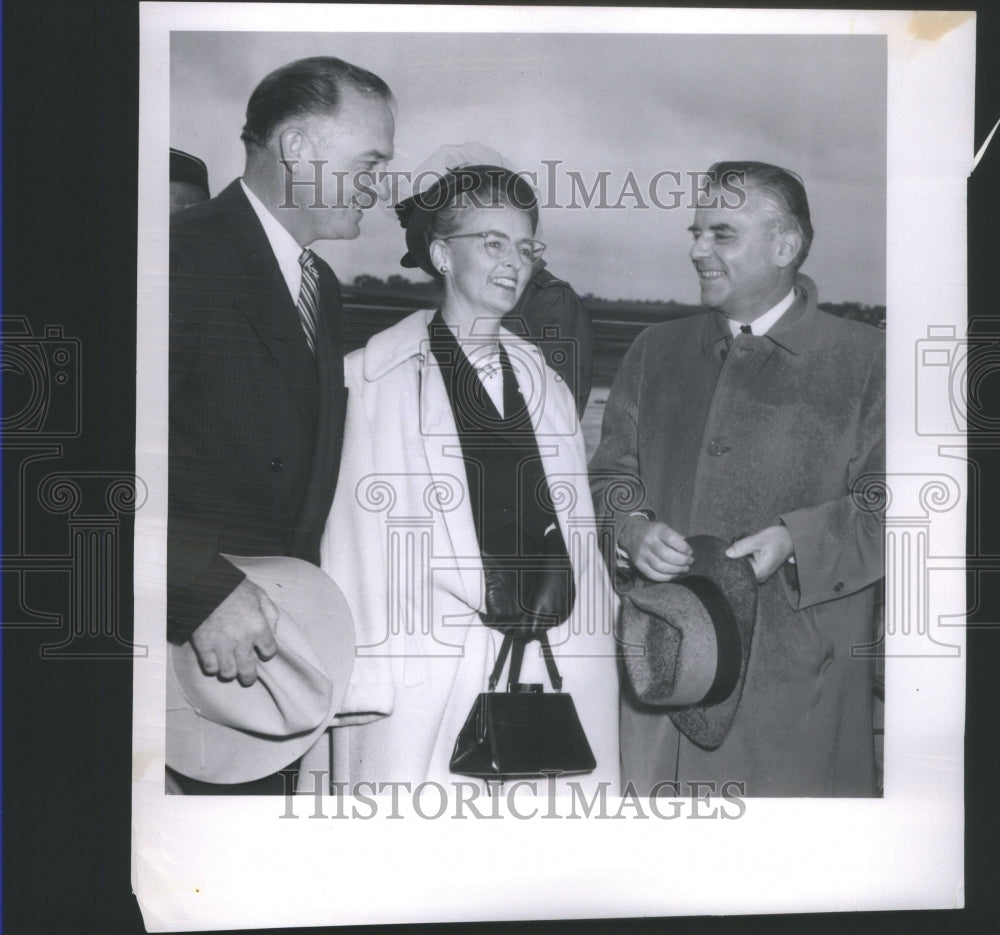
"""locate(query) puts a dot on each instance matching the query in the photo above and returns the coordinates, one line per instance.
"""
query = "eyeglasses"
(498, 245)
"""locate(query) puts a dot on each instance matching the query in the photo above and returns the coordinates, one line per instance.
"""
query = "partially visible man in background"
(188, 180)
(257, 397)
(551, 315)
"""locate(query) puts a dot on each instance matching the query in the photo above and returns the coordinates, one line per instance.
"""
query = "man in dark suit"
(257, 396)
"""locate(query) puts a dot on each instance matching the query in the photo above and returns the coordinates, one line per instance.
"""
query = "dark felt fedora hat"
(687, 641)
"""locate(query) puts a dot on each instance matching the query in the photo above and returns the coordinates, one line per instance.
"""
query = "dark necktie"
(308, 304)
(746, 329)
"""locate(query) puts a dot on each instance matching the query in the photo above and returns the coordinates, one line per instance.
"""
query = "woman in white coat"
(462, 453)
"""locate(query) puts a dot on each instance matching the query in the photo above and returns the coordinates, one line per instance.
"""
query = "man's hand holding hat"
(767, 550)
(655, 550)
(239, 629)
(219, 731)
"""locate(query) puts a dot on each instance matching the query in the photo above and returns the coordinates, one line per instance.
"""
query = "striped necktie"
(308, 304)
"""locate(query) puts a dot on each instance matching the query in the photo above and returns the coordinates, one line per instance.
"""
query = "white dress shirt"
(286, 249)
(766, 321)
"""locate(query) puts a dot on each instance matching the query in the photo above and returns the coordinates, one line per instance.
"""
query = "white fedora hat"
(224, 732)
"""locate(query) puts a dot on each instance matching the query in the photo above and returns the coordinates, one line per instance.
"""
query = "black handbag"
(523, 732)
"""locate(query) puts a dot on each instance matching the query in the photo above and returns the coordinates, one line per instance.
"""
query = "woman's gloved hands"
(550, 591)
(502, 606)
(534, 598)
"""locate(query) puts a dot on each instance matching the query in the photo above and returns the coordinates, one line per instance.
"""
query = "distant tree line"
(869, 314)
(396, 285)
(400, 287)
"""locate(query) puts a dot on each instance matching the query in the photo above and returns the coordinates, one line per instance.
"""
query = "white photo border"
(214, 863)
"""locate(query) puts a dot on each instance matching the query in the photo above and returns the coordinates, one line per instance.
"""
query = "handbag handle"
(517, 658)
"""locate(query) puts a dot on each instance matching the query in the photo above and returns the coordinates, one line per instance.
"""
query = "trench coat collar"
(792, 331)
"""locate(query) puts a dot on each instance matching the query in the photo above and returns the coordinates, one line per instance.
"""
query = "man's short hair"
(304, 87)
(783, 187)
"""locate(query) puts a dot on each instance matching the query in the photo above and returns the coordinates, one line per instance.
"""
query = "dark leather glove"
(550, 591)
(502, 610)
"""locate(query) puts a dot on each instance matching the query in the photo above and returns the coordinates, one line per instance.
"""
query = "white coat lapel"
(443, 451)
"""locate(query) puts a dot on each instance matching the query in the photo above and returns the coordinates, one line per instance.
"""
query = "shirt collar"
(790, 328)
(286, 249)
(762, 324)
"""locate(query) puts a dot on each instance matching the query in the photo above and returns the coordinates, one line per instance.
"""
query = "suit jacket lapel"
(266, 301)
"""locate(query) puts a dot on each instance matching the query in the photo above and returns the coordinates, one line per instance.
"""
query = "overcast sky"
(621, 104)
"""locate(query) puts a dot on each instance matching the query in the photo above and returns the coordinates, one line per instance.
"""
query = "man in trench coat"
(761, 422)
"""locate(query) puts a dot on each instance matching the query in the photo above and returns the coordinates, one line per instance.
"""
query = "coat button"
(716, 448)
(276, 464)
(839, 586)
